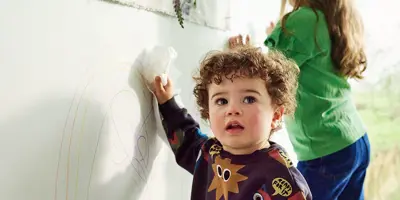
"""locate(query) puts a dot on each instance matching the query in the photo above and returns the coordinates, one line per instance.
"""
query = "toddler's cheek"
(216, 126)
(259, 124)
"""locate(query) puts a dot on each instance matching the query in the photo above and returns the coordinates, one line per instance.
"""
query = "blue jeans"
(339, 175)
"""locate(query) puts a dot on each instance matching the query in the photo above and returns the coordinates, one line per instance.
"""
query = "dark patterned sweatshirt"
(266, 174)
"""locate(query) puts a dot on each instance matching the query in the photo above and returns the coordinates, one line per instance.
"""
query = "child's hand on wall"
(237, 41)
(270, 28)
(163, 92)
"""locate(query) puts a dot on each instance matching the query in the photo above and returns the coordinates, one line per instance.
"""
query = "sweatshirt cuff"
(169, 108)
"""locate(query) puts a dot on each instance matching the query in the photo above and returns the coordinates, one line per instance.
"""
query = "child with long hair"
(325, 39)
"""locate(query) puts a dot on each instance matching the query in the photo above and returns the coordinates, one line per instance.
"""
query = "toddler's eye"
(249, 100)
(221, 101)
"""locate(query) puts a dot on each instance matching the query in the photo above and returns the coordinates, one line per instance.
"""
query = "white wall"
(70, 114)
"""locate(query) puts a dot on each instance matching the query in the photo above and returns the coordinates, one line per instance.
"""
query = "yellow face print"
(226, 177)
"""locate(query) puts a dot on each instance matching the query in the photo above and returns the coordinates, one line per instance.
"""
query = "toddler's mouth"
(234, 127)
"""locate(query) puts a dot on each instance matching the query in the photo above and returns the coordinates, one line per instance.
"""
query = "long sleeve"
(183, 134)
(299, 40)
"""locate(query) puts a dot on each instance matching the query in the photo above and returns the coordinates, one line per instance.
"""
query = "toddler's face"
(241, 114)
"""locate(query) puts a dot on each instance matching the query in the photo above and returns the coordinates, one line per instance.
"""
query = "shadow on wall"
(141, 150)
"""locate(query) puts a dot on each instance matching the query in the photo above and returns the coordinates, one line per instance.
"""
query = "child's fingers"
(169, 83)
(231, 44)
(158, 85)
(233, 41)
(247, 39)
(240, 39)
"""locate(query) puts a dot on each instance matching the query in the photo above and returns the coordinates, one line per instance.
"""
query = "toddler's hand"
(163, 93)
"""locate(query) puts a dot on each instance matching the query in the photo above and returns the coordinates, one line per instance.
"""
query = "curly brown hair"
(279, 73)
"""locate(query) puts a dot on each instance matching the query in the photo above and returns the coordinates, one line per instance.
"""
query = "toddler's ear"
(277, 118)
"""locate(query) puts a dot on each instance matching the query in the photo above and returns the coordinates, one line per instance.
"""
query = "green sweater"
(326, 119)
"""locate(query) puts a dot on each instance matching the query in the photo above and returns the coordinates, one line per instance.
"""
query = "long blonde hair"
(346, 32)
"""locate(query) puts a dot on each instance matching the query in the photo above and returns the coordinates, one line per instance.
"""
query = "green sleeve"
(298, 41)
